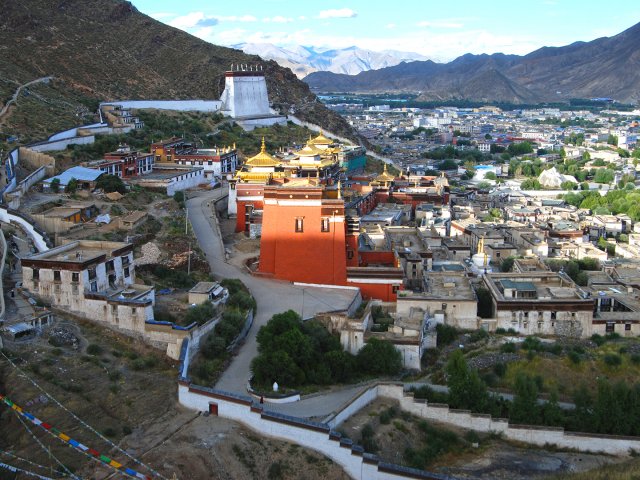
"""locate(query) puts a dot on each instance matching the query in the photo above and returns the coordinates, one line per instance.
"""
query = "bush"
(242, 300)
(500, 331)
(109, 432)
(500, 369)
(111, 183)
(599, 340)
(94, 349)
(379, 357)
(478, 335)
(532, 344)
(612, 359)
(574, 357)
(508, 347)
(445, 334)
(368, 442)
(234, 285)
(200, 314)
(387, 415)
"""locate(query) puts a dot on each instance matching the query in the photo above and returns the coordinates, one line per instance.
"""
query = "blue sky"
(437, 29)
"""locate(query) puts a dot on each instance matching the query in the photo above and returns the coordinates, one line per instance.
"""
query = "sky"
(439, 30)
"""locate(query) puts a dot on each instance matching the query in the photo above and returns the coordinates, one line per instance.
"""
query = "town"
(444, 292)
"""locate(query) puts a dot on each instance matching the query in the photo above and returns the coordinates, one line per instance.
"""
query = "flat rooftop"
(532, 286)
(447, 285)
(81, 251)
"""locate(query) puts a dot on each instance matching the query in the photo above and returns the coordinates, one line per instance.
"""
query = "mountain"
(106, 49)
(605, 67)
(305, 60)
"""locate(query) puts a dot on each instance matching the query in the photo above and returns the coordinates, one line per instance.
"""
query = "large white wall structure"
(245, 95)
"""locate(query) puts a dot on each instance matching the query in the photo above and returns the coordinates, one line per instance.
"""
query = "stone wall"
(34, 160)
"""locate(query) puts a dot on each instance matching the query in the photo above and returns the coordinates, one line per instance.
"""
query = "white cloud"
(337, 13)
(189, 20)
(439, 24)
(302, 17)
(390, 26)
(278, 19)
(236, 18)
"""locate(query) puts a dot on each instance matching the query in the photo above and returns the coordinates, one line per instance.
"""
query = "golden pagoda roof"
(385, 176)
(259, 177)
(320, 140)
(309, 150)
(263, 159)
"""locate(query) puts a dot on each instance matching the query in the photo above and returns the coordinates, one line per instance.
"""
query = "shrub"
(478, 335)
(599, 340)
(234, 285)
(500, 331)
(379, 357)
(242, 300)
(508, 347)
(387, 415)
(445, 334)
(126, 430)
(109, 432)
(200, 313)
(368, 442)
(94, 349)
(612, 359)
(500, 369)
(574, 357)
(532, 344)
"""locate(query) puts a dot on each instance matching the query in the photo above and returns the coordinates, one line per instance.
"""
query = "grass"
(629, 470)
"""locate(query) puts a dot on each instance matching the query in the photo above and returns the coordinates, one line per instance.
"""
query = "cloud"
(278, 19)
(337, 13)
(207, 22)
(189, 20)
(426, 24)
(390, 26)
(236, 18)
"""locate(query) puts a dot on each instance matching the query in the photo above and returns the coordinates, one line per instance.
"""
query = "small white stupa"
(480, 260)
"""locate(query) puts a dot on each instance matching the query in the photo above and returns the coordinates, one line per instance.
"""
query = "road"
(14, 98)
(272, 296)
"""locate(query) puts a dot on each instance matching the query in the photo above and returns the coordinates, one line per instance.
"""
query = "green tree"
(568, 185)
(111, 183)
(379, 357)
(552, 414)
(490, 176)
(71, 187)
(507, 264)
(466, 389)
(530, 184)
(487, 136)
(612, 140)
(55, 185)
(524, 409)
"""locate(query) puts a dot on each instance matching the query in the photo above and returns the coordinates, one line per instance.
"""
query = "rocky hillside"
(106, 49)
(605, 67)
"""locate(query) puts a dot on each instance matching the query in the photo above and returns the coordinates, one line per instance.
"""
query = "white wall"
(62, 143)
(38, 240)
(307, 434)
(179, 105)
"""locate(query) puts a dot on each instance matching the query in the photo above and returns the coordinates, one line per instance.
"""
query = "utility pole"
(189, 261)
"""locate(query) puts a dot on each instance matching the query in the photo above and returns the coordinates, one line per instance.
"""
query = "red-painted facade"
(377, 258)
(379, 291)
(303, 236)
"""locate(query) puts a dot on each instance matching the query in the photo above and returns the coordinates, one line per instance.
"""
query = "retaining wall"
(536, 435)
(35, 234)
(179, 105)
(316, 436)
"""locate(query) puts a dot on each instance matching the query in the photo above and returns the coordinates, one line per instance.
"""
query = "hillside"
(605, 67)
(105, 49)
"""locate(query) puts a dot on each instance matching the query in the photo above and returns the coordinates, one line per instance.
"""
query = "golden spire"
(481, 245)
(385, 168)
(339, 188)
(263, 148)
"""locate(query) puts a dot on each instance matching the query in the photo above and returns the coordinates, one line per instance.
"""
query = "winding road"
(272, 296)
(14, 98)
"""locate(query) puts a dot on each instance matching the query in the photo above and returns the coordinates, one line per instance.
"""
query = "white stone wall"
(573, 324)
(178, 105)
(458, 313)
(245, 97)
(38, 240)
(319, 441)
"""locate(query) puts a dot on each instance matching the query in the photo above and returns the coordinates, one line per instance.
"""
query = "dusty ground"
(127, 391)
(493, 458)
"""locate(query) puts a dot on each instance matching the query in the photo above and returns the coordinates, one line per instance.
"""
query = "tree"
(487, 136)
(379, 357)
(490, 176)
(568, 185)
(71, 187)
(552, 414)
(484, 185)
(55, 185)
(604, 175)
(466, 389)
(111, 183)
(612, 140)
(485, 302)
(524, 408)
(507, 264)
(530, 184)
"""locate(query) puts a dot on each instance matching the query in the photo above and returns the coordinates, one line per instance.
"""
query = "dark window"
(610, 328)
(350, 254)
(56, 276)
(75, 277)
(395, 288)
(94, 286)
(553, 315)
(126, 272)
(324, 224)
(36, 274)
(627, 327)
(299, 224)
(92, 273)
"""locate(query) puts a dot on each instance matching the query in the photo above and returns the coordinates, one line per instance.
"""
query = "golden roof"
(259, 177)
(385, 176)
(263, 159)
(309, 150)
(320, 140)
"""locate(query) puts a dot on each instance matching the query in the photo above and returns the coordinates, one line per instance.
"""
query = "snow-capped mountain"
(305, 60)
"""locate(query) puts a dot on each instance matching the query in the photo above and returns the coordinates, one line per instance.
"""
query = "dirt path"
(14, 98)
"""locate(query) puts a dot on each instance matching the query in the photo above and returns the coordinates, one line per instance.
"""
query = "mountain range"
(305, 60)
(605, 67)
(98, 50)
